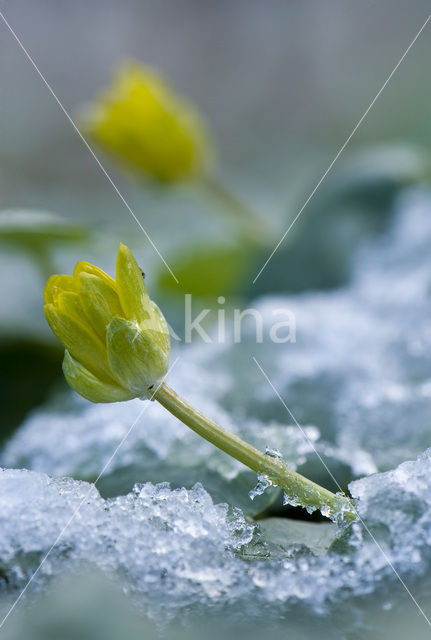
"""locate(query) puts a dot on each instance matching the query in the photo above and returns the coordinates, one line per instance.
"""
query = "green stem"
(304, 491)
(251, 226)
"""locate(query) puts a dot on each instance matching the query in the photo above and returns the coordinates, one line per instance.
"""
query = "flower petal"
(130, 286)
(87, 267)
(89, 386)
(147, 126)
(159, 328)
(70, 304)
(81, 342)
(136, 359)
(55, 285)
(100, 302)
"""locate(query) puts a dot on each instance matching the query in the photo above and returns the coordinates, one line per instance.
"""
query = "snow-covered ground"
(358, 379)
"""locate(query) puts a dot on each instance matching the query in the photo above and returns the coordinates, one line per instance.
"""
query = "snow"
(358, 381)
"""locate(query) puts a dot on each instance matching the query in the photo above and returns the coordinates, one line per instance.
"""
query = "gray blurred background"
(281, 84)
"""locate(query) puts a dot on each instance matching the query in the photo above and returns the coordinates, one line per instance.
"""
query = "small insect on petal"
(130, 286)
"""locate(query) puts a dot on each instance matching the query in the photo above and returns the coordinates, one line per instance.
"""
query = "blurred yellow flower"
(116, 339)
(140, 120)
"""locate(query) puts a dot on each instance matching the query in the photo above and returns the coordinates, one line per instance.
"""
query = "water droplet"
(263, 482)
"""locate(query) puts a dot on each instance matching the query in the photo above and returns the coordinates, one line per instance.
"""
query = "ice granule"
(263, 483)
(175, 550)
(273, 453)
(158, 540)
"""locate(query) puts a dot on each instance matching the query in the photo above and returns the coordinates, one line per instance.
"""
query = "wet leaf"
(282, 534)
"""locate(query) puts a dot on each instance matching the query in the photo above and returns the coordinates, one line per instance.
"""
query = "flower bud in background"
(116, 338)
(140, 120)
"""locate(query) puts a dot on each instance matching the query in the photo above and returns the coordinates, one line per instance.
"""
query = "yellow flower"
(116, 338)
(141, 121)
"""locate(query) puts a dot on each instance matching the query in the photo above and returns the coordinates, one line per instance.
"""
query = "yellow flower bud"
(140, 120)
(116, 338)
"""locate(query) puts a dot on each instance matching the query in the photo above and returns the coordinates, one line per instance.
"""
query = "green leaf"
(373, 177)
(281, 534)
(35, 228)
